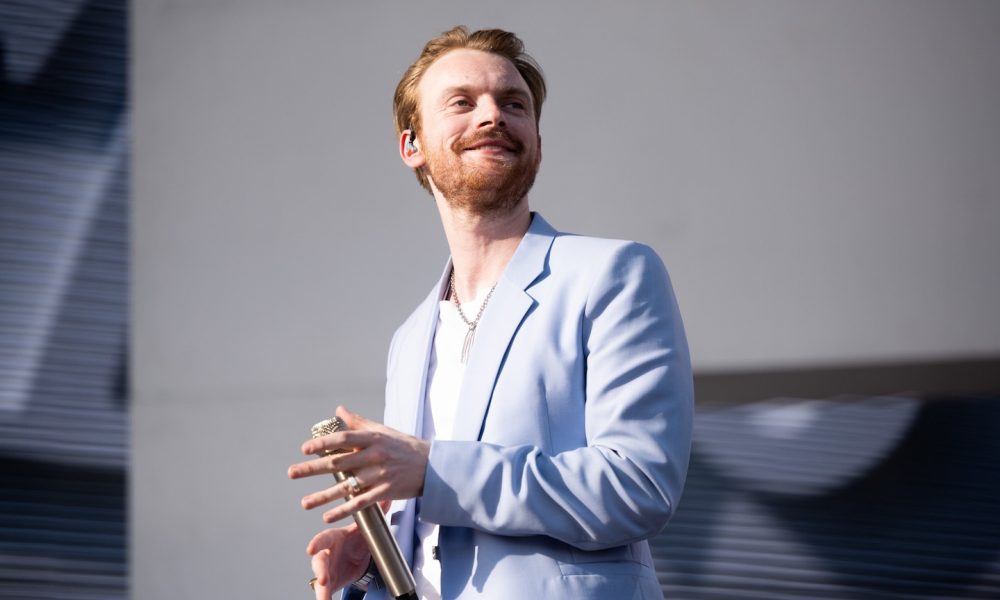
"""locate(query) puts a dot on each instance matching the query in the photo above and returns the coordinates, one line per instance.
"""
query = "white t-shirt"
(444, 382)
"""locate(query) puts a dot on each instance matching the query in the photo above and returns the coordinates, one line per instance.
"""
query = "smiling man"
(539, 401)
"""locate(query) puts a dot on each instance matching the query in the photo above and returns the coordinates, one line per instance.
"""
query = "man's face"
(478, 133)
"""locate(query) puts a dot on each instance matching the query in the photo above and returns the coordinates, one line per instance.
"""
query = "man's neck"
(481, 246)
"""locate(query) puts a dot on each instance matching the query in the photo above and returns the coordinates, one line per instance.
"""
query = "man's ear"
(409, 149)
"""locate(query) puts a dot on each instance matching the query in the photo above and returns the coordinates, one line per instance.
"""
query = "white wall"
(821, 179)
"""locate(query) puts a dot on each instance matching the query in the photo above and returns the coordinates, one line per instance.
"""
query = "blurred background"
(207, 239)
(64, 244)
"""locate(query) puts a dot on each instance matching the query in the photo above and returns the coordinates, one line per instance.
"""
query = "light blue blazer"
(573, 431)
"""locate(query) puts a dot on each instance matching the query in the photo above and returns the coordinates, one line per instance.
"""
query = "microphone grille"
(328, 426)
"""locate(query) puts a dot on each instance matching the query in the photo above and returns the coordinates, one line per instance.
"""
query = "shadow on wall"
(849, 498)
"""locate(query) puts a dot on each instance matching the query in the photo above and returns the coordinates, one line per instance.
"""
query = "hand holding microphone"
(385, 552)
(385, 465)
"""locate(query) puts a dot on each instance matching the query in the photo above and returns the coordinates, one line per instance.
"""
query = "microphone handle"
(385, 551)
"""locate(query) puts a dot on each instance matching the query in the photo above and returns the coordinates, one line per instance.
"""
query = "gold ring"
(352, 482)
(312, 583)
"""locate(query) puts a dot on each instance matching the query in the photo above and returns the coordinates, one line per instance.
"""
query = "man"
(539, 401)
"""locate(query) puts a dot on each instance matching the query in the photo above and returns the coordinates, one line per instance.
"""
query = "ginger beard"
(491, 186)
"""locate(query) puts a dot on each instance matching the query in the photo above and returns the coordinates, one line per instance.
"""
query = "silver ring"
(352, 482)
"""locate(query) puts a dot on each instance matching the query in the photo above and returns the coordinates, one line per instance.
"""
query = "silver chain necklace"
(471, 334)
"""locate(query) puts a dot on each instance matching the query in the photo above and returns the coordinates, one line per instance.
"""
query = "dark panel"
(860, 498)
(946, 377)
(63, 299)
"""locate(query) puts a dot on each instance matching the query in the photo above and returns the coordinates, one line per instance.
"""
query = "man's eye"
(516, 104)
(462, 103)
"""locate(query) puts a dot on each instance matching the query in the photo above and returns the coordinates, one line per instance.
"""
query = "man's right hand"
(339, 557)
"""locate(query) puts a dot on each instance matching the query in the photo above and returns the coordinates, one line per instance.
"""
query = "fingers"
(321, 570)
(311, 467)
(399, 459)
(324, 496)
(367, 497)
(361, 433)
(330, 551)
(330, 463)
(342, 489)
(339, 556)
(355, 421)
(389, 464)
(364, 479)
(366, 459)
(329, 538)
(341, 441)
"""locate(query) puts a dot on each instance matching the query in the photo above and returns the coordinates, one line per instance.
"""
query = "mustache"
(499, 135)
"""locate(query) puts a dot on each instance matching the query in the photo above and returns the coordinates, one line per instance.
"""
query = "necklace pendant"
(467, 346)
(471, 334)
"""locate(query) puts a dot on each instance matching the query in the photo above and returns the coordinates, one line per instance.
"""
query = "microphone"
(385, 551)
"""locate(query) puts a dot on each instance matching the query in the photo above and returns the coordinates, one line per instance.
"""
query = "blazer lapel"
(410, 391)
(413, 365)
(500, 321)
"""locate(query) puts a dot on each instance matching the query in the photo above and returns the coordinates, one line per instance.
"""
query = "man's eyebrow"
(455, 89)
(515, 91)
(505, 92)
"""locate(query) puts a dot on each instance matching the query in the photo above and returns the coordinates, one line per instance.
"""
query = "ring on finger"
(354, 484)
(312, 583)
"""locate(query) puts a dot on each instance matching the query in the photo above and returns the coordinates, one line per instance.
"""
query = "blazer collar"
(503, 315)
(500, 321)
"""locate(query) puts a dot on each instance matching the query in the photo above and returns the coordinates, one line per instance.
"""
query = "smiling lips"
(488, 144)
(493, 140)
(490, 149)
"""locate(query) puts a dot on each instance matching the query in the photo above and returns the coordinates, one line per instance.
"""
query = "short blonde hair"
(406, 101)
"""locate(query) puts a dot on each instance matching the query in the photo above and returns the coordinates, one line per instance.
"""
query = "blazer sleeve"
(624, 483)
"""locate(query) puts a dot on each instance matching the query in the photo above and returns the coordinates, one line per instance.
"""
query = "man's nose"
(489, 113)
